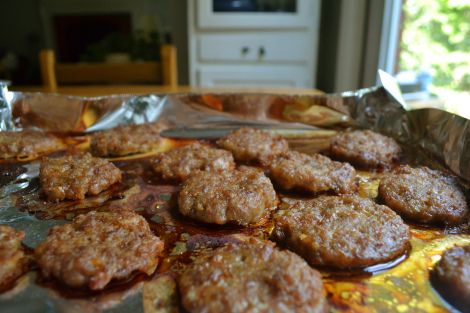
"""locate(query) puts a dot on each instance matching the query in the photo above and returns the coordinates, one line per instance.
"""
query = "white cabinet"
(283, 47)
(253, 49)
(249, 76)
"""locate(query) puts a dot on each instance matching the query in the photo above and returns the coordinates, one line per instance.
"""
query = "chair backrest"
(164, 72)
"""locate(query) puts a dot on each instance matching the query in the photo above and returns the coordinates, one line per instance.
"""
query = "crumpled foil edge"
(382, 109)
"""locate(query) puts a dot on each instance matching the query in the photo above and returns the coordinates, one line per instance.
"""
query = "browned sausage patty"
(27, 144)
(313, 173)
(342, 231)
(125, 140)
(451, 276)
(242, 196)
(365, 148)
(424, 195)
(74, 176)
(253, 145)
(13, 260)
(98, 247)
(180, 163)
(251, 277)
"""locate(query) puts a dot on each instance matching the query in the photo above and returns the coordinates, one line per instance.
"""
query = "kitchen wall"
(350, 34)
(21, 33)
(24, 29)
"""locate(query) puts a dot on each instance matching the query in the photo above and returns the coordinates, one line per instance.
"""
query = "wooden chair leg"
(168, 57)
(47, 65)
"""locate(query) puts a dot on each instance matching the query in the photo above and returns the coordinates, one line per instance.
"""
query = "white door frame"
(390, 36)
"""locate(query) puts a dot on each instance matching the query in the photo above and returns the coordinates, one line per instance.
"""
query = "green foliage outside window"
(436, 38)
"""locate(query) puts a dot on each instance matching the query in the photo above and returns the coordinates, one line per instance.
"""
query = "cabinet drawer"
(285, 47)
(253, 76)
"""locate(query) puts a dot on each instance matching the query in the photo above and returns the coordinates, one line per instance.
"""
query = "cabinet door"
(254, 77)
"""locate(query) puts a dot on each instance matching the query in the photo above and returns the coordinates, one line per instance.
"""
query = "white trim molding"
(390, 36)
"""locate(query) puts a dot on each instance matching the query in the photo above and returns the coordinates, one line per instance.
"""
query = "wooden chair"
(85, 75)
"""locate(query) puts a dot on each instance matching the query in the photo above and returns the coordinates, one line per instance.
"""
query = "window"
(432, 54)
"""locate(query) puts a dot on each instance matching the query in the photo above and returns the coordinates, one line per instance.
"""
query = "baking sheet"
(405, 288)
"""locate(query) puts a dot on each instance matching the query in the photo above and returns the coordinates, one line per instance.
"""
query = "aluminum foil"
(380, 108)
(383, 109)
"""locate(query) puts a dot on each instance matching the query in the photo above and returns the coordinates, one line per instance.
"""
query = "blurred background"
(330, 45)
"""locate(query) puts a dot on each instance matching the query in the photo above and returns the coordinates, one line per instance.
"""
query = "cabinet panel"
(253, 77)
(214, 48)
(281, 47)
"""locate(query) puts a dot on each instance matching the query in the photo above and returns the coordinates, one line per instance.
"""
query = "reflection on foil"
(30, 297)
(35, 230)
(404, 288)
(21, 182)
(391, 85)
(194, 111)
(6, 118)
(135, 110)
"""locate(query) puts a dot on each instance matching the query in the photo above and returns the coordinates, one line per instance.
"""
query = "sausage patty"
(251, 277)
(451, 276)
(13, 260)
(342, 231)
(242, 196)
(365, 148)
(424, 195)
(312, 173)
(98, 247)
(253, 145)
(180, 163)
(28, 144)
(125, 140)
(74, 176)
